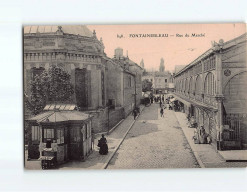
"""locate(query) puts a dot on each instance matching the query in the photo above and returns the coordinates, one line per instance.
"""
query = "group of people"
(163, 103)
(200, 134)
(201, 137)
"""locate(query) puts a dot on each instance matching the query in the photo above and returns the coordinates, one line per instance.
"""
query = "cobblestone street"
(154, 142)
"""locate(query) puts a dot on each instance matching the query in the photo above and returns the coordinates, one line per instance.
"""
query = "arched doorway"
(235, 94)
(235, 104)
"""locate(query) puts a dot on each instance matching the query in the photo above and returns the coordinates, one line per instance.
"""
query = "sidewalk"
(114, 139)
(234, 155)
(206, 154)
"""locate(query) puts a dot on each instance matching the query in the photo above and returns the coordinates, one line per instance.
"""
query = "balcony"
(199, 99)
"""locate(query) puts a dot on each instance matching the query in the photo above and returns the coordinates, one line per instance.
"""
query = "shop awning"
(195, 103)
(183, 101)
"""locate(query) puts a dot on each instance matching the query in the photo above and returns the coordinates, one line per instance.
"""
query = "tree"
(146, 85)
(53, 85)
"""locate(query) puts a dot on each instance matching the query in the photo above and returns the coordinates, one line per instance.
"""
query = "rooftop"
(68, 29)
(60, 116)
(221, 44)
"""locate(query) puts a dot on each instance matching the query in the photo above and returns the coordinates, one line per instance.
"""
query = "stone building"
(162, 80)
(77, 50)
(212, 88)
(124, 87)
(81, 54)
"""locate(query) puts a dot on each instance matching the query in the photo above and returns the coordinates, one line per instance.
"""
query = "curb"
(195, 153)
(111, 130)
(105, 165)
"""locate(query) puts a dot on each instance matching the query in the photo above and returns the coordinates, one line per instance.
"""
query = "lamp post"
(108, 117)
(135, 89)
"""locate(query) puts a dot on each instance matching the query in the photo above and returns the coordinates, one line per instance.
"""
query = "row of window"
(188, 86)
(208, 64)
(76, 134)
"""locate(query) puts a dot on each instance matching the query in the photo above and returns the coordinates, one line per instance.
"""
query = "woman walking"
(103, 145)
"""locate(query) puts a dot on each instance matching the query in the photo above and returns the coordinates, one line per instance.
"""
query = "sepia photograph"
(139, 96)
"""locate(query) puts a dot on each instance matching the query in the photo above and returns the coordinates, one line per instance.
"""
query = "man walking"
(161, 112)
(135, 113)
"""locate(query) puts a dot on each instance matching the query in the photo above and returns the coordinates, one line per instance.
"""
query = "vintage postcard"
(135, 96)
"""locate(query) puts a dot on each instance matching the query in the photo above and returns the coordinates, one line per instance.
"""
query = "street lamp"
(135, 88)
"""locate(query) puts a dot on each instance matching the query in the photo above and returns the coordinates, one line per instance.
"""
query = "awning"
(183, 101)
(60, 107)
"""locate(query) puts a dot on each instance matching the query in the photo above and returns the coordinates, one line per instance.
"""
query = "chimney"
(119, 53)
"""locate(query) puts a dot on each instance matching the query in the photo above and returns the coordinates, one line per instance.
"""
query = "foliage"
(146, 85)
(53, 85)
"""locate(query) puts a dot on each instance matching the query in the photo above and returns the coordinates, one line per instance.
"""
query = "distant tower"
(142, 63)
(162, 66)
(118, 53)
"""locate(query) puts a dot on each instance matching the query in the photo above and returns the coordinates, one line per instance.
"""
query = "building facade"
(161, 80)
(77, 50)
(212, 88)
(124, 82)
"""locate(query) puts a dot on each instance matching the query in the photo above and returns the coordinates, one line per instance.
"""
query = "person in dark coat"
(161, 112)
(103, 145)
(135, 113)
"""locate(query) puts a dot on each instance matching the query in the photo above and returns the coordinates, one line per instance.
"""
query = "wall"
(114, 82)
(129, 91)
(100, 119)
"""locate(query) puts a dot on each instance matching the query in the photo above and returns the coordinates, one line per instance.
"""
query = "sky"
(176, 50)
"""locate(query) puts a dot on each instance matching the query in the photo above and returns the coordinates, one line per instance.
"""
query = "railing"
(233, 121)
(200, 98)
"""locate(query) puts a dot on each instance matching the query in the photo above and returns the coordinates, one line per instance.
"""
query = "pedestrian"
(161, 112)
(135, 113)
(102, 143)
(163, 99)
(160, 104)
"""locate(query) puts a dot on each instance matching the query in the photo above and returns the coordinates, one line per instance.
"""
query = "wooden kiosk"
(63, 134)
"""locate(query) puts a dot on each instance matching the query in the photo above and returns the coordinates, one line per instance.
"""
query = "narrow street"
(154, 142)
